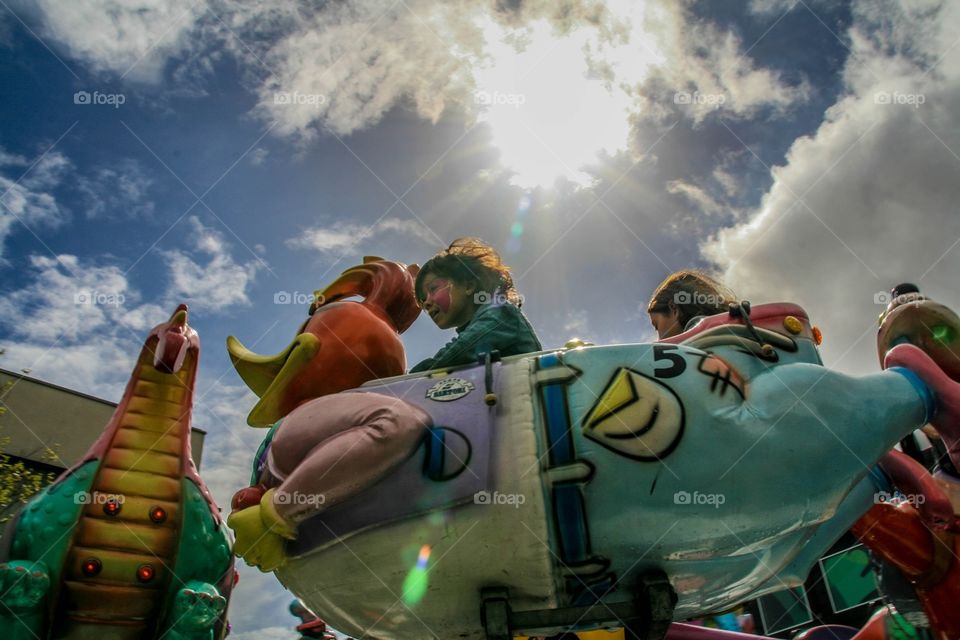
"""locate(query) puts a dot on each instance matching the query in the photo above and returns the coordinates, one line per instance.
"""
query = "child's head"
(685, 295)
(453, 284)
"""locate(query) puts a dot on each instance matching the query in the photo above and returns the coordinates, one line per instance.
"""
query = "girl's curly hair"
(471, 260)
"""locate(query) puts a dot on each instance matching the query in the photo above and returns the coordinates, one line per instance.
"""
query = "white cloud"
(231, 444)
(80, 323)
(134, 38)
(346, 65)
(706, 73)
(119, 190)
(869, 200)
(144, 317)
(780, 7)
(76, 323)
(343, 237)
(337, 237)
(215, 284)
(100, 366)
(343, 66)
(258, 156)
(577, 324)
(66, 300)
(772, 6)
(609, 63)
(696, 195)
(26, 196)
(728, 181)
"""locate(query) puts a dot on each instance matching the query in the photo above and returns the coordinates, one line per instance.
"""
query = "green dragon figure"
(128, 543)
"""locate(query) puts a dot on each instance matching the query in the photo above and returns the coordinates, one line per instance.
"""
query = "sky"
(237, 156)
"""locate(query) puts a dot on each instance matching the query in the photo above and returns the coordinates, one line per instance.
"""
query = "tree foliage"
(18, 480)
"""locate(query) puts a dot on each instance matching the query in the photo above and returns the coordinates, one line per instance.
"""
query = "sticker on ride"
(450, 389)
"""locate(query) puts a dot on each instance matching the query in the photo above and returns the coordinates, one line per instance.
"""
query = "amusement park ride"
(575, 489)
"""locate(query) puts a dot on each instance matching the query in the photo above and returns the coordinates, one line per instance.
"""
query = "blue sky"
(802, 150)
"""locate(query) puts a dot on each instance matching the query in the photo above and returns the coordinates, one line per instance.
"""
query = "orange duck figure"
(325, 445)
(343, 344)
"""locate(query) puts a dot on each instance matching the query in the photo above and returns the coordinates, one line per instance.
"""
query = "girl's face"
(449, 303)
(667, 323)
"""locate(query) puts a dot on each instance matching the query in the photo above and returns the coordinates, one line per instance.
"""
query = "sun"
(549, 113)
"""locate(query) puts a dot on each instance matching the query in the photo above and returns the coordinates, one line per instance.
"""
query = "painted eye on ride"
(145, 573)
(91, 567)
(942, 333)
(111, 507)
(158, 515)
(636, 416)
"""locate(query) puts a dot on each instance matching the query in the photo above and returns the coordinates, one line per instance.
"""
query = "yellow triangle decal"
(619, 393)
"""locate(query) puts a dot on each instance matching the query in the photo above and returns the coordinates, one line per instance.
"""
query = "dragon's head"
(342, 344)
(172, 346)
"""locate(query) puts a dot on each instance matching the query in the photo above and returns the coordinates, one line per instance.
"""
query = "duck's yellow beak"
(268, 376)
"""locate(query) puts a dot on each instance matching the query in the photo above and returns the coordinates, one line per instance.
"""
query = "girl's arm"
(493, 328)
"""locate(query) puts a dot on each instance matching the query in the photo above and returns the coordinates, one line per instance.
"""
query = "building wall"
(41, 414)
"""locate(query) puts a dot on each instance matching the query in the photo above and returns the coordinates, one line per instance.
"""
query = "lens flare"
(941, 333)
(515, 241)
(415, 584)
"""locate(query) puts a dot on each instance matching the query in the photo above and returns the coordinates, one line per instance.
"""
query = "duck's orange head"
(343, 343)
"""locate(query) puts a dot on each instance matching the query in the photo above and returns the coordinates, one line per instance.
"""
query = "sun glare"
(549, 115)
